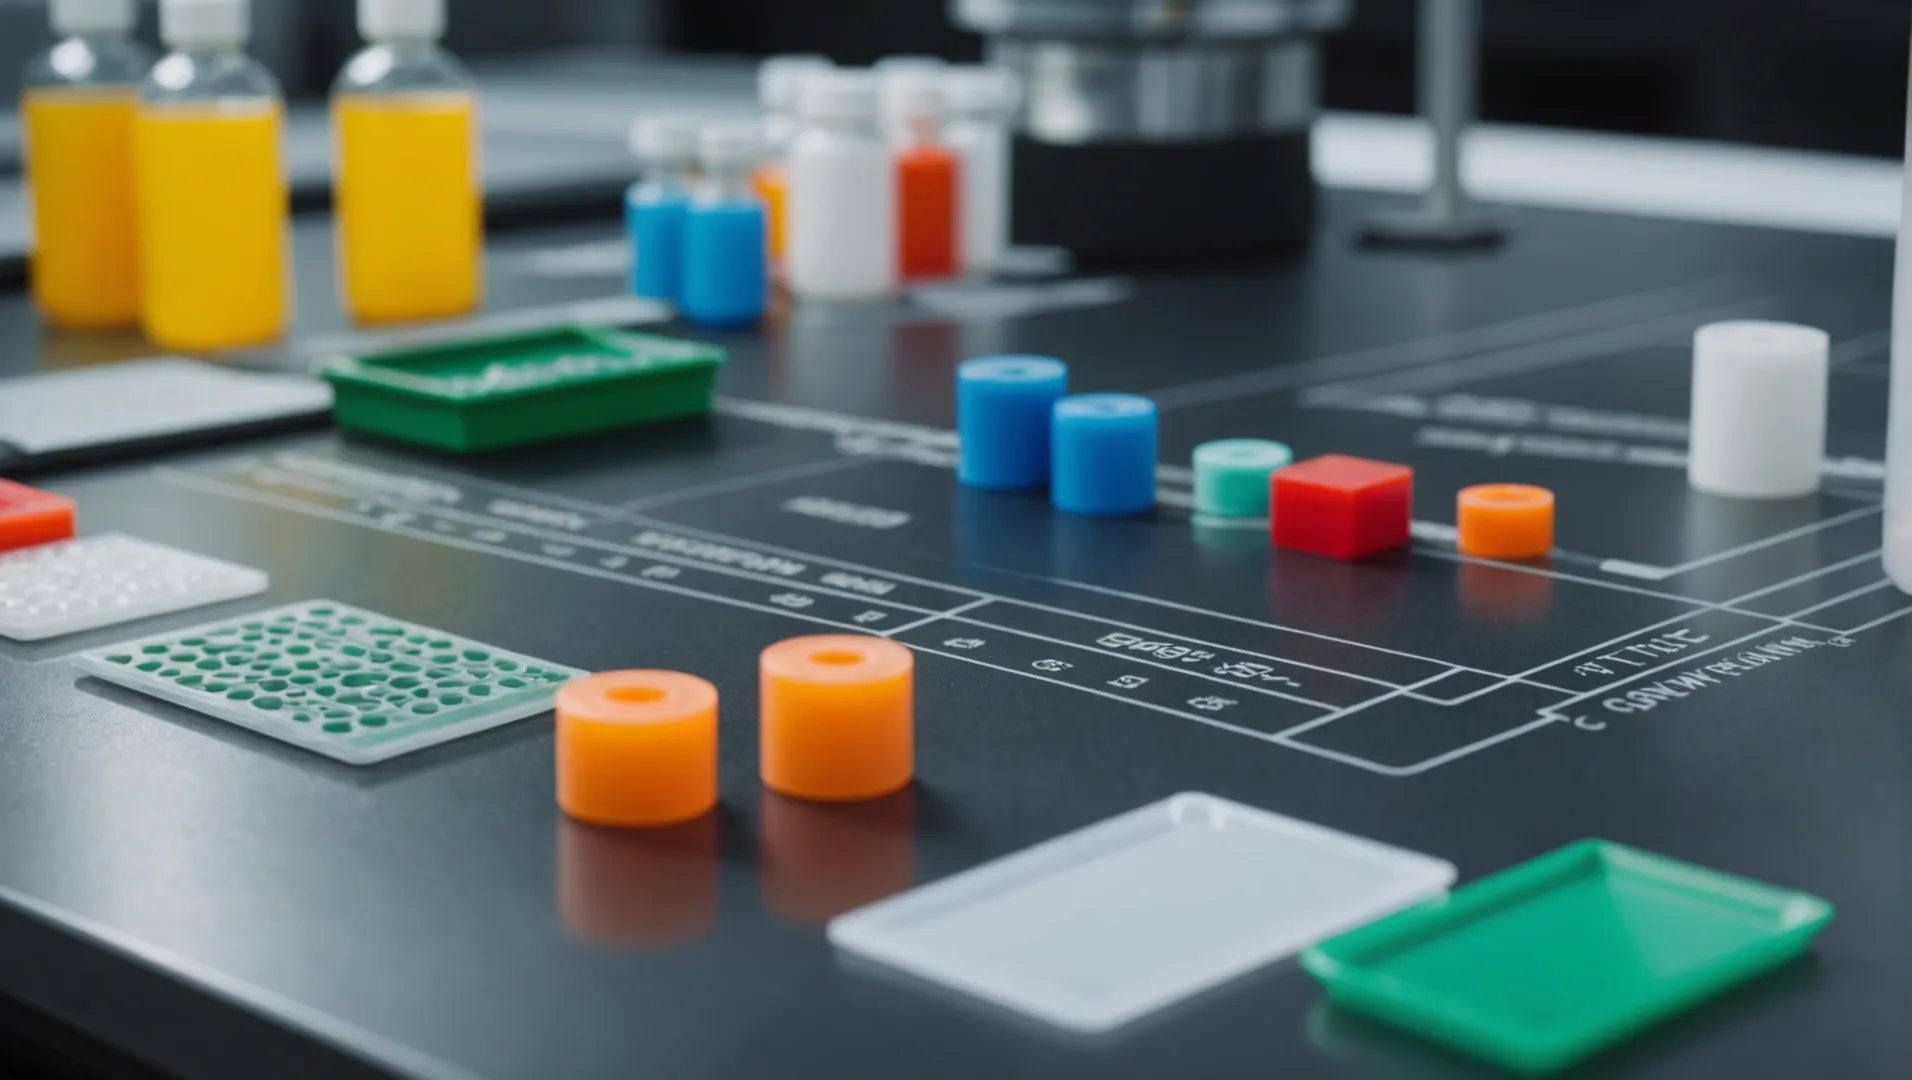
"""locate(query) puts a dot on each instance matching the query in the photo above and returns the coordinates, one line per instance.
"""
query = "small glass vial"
(408, 205)
(654, 208)
(78, 106)
(842, 193)
(926, 174)
(211, 186)
(779, 82)
(726, 273)
(980, 101)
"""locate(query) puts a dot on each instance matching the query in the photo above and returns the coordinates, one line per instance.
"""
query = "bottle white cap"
(780, 79)
(839, 95)
(975, 90)
(401, 20)
(70, 17)
(912, 93)
(729, 145)
(187, 23)
(664, 137)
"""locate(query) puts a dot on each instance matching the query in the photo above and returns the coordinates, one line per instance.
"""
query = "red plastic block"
(1339, 506)
(30, 516)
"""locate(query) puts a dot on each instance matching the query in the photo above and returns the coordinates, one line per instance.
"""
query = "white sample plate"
(83, 584)
(1104, 925)
(341, 681)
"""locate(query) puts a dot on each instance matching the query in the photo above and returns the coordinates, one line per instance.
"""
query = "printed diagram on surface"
(1634, 619)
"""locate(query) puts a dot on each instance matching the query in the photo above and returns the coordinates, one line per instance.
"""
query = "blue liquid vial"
(656, 207)
(726, 237)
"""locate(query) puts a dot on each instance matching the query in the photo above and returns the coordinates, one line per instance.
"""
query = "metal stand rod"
(1449, 62)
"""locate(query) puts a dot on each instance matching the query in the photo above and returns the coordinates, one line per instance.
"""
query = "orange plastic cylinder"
(1506, 521)
(836, 721)
(926, 209)
(772, 185)
(637, 748)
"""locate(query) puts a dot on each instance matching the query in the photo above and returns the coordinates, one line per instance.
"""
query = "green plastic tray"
(1540, 966)
(499, 392)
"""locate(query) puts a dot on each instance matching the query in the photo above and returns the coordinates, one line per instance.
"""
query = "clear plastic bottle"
(842, 238)
(77, 107)
(408, 202)
(779, 83)
(211, 185)
(654, 208)
(980, 100)
(927, 180)
(726, 278)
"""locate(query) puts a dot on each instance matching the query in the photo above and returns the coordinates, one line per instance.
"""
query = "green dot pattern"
(348, 683)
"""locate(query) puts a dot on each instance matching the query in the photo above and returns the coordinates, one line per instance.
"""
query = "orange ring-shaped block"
(1506, 521)
(836, 721)
(637, 748)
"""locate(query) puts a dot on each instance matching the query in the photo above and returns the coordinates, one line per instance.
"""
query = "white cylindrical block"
(1759, 410)
(841, 231)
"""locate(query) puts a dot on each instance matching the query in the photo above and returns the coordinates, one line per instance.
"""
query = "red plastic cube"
(1339, 506)
(30, 516)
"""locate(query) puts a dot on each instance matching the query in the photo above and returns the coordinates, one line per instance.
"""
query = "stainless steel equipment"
(1161, 129)
(1449, 78)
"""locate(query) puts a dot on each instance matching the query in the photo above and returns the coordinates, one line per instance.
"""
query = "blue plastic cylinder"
(1103, 454)
(726, 263)
(1004, 406)
(655, 219)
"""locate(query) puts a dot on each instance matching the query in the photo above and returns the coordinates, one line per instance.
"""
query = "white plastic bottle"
(1898, 443)
(779, 83)
(842, 227)
(979, 100)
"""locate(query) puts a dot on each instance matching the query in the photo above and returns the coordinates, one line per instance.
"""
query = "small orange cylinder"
(637, 748)
(772, 185)
(836, 720)
(1506, 521)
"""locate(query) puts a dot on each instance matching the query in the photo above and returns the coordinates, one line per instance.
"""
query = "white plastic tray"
(1104, 925)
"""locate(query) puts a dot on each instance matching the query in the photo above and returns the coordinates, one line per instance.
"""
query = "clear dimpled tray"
(83, 584)
(351, 684)
(1101, 926)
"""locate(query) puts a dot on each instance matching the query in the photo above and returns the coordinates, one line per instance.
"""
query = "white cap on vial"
(664, 137)
(839, 95)
(780, 79)
(70, 17)
(401, 20)
(185, 24)
(912, 93)
(979, 90)
(730, 146)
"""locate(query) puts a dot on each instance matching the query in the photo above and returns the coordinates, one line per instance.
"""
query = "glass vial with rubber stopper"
(210, 185)
(779, 82)
(979, 101)
(407, 204)
(726, 269)
(926, 174)
(842, 225)
(654, 208)
(77, 113)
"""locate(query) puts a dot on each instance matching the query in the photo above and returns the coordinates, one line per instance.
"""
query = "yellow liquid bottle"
(212, 210)
(80, 172)
(409, 213)
(77, 115)
(210, 186)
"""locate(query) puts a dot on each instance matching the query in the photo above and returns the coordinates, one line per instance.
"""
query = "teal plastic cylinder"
(1231, 476)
